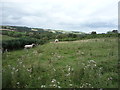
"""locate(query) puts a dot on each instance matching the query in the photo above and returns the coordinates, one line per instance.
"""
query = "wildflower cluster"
(29, 70)
(43, 86)
(85, 85)
(91, 64)
(55, 84)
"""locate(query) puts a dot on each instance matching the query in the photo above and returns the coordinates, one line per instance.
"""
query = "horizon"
(80, 15)
(62, 29)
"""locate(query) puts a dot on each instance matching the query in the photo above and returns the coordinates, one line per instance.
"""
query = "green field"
(88, 63)
(5, 37)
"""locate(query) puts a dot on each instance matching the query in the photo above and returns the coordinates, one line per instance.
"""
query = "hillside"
(5, 37)
(23, 29)
(88, 63)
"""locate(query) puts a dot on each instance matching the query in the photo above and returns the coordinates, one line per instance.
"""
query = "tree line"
(24, 38)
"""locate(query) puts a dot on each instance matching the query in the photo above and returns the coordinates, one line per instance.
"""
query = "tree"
(93, 32)
(72, 35)
(115, 31)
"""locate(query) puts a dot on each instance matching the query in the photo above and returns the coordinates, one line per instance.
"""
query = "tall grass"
(83, 64)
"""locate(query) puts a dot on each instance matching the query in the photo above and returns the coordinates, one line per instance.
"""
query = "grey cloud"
(100, 25)
(66, 16)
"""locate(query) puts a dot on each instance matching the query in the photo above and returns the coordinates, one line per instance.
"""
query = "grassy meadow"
(90, 63)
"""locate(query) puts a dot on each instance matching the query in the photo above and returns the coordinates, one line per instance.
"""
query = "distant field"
(5, 37)
(88, 63)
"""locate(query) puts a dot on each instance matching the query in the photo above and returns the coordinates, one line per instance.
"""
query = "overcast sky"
(75, 15)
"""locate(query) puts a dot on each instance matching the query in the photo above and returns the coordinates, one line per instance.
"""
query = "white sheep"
(56, 40)
(29, 46)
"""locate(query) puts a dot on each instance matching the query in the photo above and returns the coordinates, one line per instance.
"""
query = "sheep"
(56, 40)
(29, 46)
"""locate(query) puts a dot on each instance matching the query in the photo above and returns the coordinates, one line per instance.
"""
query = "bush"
(19, 43)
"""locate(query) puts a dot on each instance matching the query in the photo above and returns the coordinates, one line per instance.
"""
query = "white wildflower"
(89, 84)
(68, 74)
(42, 86)
(82, 53)
(58, 82)
(54, 69)
(101, 68)
(59, 87)
(54, 85)
(20, 62)
(18, 83)
(70, 84)
(30, 76)
(9, 65)
(69, 69)
(110, 78)
(53, 80)
(81, 86)
(91, 61)
(29, 70)
(16, 70)
(24, 66)
(95, 65)
(13, 68)
(59, 56)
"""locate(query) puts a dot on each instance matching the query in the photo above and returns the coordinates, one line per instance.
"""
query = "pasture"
(5, 37)
(90, 63)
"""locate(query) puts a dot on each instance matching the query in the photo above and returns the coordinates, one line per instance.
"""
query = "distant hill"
(67, 32)
(25, 29)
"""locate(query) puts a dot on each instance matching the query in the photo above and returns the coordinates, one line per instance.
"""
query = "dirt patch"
(88, 40)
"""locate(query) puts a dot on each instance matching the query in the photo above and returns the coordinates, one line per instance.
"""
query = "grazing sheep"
(29, 46)
(56, 40)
